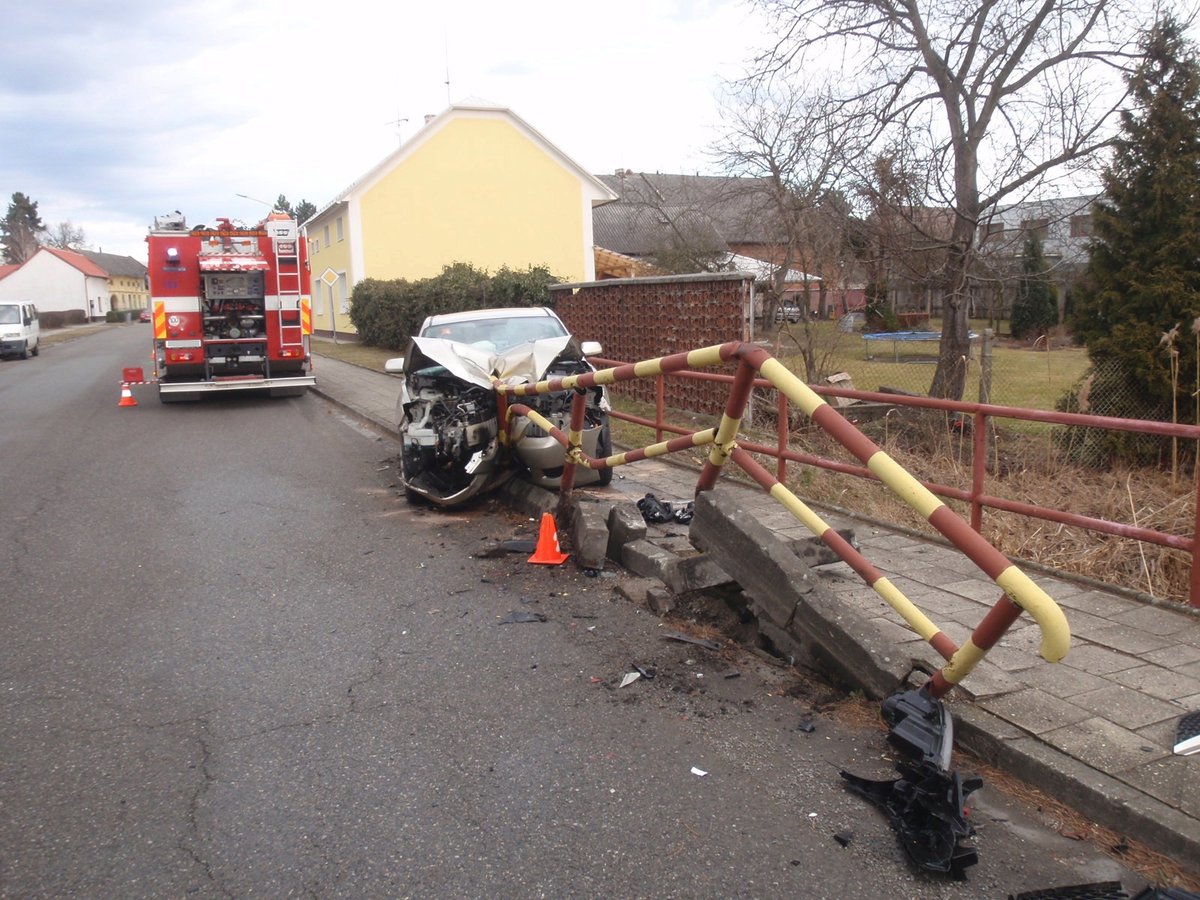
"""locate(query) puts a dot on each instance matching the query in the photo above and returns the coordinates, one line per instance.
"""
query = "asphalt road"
(236, 664)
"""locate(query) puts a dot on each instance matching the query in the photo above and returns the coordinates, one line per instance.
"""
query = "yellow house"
(477, 184)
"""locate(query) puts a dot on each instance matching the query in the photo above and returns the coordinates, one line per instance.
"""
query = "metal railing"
(1020, 592)
(975, 496)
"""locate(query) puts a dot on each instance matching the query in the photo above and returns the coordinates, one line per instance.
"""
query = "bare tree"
(65, 236)
(788, 151)
(997, 95)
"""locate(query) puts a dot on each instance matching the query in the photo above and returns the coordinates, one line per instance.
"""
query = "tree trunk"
(954, 351)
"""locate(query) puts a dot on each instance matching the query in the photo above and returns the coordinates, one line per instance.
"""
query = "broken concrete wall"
(790, 602)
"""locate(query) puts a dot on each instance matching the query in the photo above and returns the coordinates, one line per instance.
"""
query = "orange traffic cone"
(126, 396)
(548, 552)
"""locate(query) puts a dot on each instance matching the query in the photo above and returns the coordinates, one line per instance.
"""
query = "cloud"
(110, 115)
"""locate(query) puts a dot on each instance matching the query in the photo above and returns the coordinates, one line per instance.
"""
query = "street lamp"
(255, 199)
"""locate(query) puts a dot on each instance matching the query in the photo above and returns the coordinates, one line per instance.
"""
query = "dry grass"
(1026, 470)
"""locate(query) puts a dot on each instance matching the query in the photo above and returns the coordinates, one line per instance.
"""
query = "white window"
(340, 235)
(325, 234)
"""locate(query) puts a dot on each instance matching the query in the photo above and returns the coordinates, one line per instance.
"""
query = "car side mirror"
(395, 365)
(591, 348)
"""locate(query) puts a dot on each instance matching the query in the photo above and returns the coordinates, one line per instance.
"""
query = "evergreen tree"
(21, 229)
(1035, 308)
(1143, 275)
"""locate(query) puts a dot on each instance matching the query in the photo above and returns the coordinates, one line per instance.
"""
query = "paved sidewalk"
(1096, 729)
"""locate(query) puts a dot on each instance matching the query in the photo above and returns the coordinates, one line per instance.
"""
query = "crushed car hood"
(523, 364)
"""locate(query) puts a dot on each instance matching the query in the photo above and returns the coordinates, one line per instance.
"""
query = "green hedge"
(387, 313)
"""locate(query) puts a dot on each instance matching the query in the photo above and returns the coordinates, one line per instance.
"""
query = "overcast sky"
(111, 113)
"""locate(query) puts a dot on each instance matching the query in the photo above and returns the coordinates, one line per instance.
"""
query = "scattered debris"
(506, 547)
(658, 512)
(654, 511)
(688, 639)
(647, 672)
(732, 673)
(699, 772)
(926, 804)
(630, 678)
(807, 726)
(520, 616)
(926, 807)
(844, 838)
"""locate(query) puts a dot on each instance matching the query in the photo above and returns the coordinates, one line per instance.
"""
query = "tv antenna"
(398, 121)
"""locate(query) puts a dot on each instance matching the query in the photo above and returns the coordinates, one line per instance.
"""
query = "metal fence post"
(985, 366)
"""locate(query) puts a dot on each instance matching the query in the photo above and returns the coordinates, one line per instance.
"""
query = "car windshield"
(498, 335)
(10, 315)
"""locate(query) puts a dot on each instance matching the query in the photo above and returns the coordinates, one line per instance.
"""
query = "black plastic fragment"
(688, 639)
(1100, 890)
(926, 807)
(521, 616)
(844, 838)
(655, 511)
(684, 514)
(921, 728)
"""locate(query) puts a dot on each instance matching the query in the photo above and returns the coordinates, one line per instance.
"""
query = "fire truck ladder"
(287, 288)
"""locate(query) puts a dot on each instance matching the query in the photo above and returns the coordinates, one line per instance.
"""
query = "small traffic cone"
(126, 395)
(548, 552)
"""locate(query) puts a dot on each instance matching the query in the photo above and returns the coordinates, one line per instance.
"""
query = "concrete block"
(695, 573)
(639, 590)
(625, 525)
(645, 559)
(528, 499)
(787, 594)
(588, 523)
(813, 551)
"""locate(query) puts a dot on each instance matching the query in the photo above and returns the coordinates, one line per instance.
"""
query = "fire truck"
(229, 307)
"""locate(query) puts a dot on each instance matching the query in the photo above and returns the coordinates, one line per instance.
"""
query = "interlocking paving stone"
(1172, 780)
(1096, 603)
(1100, 743)
(1158, 682)
(1173, 656)
(973, 589)
(1126, 706)
(1098, 660)
(1060, 680)
(1157, 621)
(1036, 711)
(1127, 639)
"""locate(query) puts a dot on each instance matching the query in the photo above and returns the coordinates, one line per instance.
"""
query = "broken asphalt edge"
(1106, 800)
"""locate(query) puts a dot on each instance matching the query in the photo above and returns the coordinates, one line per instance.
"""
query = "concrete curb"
(1105, 800)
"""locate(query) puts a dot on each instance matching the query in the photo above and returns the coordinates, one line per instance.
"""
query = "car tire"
(37, 348)
(24, 352)
(603, 449)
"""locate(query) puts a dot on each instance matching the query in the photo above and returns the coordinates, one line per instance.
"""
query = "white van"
(19, 331)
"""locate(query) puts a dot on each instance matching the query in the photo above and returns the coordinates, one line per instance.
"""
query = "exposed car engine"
(449, 423)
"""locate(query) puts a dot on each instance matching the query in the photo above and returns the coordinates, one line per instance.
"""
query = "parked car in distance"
(20, 330)
(144, 315)
(788, 312)
(448, 416)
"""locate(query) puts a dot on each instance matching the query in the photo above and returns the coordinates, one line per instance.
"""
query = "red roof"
(78, 260)
(7, 270)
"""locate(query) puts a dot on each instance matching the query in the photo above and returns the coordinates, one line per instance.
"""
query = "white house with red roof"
(60, 281)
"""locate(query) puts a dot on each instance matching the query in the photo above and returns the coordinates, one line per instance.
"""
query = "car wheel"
(603, 449)
(37, 348)
(24, 354)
